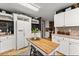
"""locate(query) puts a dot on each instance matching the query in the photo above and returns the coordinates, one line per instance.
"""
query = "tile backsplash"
(71, 30)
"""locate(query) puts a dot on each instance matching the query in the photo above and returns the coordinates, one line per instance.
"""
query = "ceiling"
(46, 11)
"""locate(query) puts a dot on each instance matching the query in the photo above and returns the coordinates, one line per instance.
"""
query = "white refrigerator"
(21, 34)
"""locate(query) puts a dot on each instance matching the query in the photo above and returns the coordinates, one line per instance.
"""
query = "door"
(20, 34)
(64, 46)
(27, 27)
(59, 20)
(72, 17)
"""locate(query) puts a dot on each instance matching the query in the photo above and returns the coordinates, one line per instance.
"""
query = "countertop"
(67, 36)
(6, 35)
(45, 45)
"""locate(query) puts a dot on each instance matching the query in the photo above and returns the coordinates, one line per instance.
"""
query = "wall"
(72, 30)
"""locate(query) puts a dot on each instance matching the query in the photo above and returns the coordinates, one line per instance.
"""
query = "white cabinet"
(12, 41)
(68, 18)
(72, 17)
(23, 32)
(27, 29)
(59, 19)
(64, 46)
(74, 47)
(20, 34)
(67, 46)
(6, 43)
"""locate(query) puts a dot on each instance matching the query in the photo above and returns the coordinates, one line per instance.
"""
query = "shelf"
(4, 14)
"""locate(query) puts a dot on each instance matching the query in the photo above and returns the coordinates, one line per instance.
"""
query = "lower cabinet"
(74, 47)
(67, 46)
(64, 46)
(6, 43)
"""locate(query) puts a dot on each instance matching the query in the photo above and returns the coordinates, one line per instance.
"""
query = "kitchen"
(24, 32)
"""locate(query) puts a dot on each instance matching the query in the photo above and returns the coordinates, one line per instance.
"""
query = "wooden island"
(44, 46)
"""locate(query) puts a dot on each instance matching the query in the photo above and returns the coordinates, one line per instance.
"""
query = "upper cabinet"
(68, 18)
(72, 17)
(59, 20)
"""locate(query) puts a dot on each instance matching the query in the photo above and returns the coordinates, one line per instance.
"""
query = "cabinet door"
(20, 34)
(59, 20)
(72, 17)
(74, 47)
(64, 46)
(11, 42)
(6, 45)
(1, 40)
(27, 29)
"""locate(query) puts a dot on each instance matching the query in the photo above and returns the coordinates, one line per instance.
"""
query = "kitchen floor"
(23, 52)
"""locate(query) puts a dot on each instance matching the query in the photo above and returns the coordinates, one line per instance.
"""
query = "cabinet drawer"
(2, 38)
(74, 41)
(74, 49)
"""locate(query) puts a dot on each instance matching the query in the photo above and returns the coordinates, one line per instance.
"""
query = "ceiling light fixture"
(31, 6)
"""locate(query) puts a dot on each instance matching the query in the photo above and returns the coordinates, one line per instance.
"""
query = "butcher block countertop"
(45, 45)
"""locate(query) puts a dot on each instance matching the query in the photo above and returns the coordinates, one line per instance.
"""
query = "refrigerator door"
(20, 34)
(27, 31)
